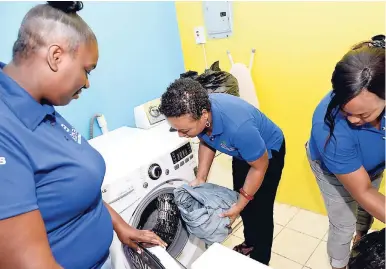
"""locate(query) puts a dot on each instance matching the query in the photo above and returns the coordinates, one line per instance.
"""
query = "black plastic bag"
(215, 80)
(189, 74)
(369, 252)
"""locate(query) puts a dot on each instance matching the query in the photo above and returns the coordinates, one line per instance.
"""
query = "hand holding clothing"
(129, 235)
(233, 213)
(196, 182)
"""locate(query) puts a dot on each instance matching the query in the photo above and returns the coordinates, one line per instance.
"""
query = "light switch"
(199, 35)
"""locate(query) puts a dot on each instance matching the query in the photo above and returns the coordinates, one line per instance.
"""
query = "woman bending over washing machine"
(231, 125)
(346, 150)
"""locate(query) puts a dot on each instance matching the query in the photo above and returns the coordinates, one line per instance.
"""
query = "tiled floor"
(299, 235)
(299, 239)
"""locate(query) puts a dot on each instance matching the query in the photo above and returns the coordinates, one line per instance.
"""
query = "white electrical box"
(218, 18)
(199, 35)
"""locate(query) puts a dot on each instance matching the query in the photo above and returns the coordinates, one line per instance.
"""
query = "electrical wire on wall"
(205, 59)
(101, 122)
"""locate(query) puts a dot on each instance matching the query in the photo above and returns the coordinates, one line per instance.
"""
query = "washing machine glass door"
(143, 260)
(159, 213)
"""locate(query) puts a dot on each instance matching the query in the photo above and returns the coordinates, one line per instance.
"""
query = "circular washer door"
(158, 212)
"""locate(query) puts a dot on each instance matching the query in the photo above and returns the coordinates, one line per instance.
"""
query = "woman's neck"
(377, 123)
(24, 76)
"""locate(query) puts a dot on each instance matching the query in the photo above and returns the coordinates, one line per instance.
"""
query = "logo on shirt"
(3, 161)
(73, 133)
(224, 146)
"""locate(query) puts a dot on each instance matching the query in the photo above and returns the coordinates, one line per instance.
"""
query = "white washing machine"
(142, 170)
(148, 117)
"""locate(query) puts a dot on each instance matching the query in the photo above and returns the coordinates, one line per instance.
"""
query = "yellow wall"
(297, 45)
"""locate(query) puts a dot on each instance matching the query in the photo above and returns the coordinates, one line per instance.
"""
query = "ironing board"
(243, 75)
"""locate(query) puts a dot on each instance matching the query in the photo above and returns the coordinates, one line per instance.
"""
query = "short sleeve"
(249, 142)
(340, 154)
(17, 184)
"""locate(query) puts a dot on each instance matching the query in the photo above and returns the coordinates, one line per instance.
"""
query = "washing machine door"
(143, 260)
(158, 212)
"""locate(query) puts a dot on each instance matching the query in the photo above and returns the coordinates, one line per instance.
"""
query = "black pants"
(257, 216)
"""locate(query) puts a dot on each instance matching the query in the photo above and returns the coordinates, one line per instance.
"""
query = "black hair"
(50, 21)
(363, 67)
(184, 96)
(67, 6)
(369, 252)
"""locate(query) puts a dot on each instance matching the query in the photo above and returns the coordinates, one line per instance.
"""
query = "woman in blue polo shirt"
(346, 150)
(231, 125)
(51, 210)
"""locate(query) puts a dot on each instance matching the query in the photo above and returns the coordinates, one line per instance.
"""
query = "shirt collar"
(21, 103)
(217, 121)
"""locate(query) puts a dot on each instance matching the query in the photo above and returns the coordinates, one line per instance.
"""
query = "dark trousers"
(257, 216)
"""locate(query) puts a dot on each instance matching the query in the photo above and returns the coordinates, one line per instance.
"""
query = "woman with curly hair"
(231, 125)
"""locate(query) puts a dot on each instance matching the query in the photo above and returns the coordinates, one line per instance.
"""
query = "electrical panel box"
(218, 18)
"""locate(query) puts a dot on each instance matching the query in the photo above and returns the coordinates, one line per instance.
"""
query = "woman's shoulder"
(10, 126)
(321, 108)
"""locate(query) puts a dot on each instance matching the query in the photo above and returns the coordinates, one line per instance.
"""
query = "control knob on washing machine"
(155, 171)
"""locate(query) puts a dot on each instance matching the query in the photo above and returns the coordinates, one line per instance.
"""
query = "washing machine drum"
(159, 213)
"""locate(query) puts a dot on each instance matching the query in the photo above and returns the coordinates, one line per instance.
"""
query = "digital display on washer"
(180, 153)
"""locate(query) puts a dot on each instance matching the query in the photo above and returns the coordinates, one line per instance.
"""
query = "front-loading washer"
(141, 170)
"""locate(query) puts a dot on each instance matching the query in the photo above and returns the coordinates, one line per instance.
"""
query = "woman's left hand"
(129, 234)
(232, 213)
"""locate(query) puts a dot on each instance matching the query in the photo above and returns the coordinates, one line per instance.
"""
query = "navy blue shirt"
(46, 165)
(241, 130)
(352, 147)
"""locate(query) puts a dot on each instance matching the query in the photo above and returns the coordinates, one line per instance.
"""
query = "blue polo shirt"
(241, 130)
(46, 165)
(352, 147)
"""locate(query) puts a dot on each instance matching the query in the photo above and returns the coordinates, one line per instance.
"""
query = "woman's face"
(364, 108)
(71, 71)
(187, 126)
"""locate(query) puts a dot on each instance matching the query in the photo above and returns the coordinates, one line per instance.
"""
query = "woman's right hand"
(197, 182)
(358, 184)
(129, 236)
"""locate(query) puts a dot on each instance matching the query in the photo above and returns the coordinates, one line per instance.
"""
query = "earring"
(207, 124)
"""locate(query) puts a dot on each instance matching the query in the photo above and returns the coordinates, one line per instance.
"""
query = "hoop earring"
(207, 124)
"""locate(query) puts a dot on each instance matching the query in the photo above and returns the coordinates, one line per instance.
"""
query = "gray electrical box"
(218, 18)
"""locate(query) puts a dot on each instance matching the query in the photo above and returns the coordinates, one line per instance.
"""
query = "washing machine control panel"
(180, 153)
(155, 171)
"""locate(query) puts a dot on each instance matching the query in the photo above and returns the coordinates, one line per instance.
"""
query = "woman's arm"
(254, 178)
(358, 184)
(205, 159)
(24, 243)
(341, 157)
(252, 149)
(118, 221)
(128, 234)
(252, 184)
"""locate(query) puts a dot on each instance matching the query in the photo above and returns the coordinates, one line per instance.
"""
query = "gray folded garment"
(200, 209)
